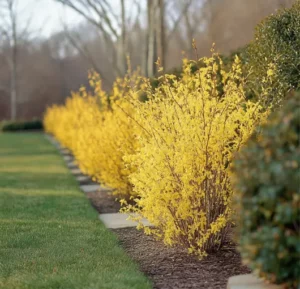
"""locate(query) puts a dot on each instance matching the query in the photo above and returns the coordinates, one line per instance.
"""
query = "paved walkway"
(112, 220)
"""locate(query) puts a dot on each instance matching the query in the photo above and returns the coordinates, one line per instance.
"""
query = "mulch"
(104, 202)
(173, 268)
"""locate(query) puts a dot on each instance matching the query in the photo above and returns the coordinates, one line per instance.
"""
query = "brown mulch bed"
(173, 268)
(104, 202)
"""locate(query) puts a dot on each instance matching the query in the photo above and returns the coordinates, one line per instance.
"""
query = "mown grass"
(50, 237)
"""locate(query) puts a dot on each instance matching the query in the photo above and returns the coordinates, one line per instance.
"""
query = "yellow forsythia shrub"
(64, 121)
(99, 130)
(107, 134)
(190, 131)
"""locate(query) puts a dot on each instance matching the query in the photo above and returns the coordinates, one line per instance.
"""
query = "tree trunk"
(152, 50)
(13, 95)
(123, 45)
(190, 35)
(161, 42)
(14, 64)
(146, 44)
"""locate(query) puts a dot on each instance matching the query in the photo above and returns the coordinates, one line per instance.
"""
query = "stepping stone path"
(249, 281)
(72, 165)
(65, 152)
(76, 171)
(119, 220)
(111, 220)
(68, 158)
(90, 188)
(82, 178)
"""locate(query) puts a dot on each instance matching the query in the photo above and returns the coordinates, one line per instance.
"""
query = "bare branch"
(178, 20)
(83, 50)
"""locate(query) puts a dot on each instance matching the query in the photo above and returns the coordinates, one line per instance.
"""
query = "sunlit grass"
(50, 237)
(56, 169)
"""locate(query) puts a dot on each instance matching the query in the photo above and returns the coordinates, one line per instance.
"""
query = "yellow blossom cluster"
(98, 129)
(192, 128)
(171, 153)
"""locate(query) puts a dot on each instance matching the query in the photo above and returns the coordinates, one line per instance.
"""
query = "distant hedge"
(276, 50)
(21, 125)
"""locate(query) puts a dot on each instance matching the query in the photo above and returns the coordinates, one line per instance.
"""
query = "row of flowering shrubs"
(171, 155)
(168, 150)
(99, 129)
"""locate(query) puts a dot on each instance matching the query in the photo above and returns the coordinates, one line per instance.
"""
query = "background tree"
(37, 69)
(10, 41)
(101, 14)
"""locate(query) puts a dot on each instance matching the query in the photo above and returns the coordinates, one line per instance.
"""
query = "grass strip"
(50, 237)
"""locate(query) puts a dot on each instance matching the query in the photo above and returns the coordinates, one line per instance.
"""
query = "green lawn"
(50, 236)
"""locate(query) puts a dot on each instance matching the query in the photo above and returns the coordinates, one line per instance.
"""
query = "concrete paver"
(90, 188)
(76, 171)
(249, 281)
(82, 178)
(119, 220)
(68, 158)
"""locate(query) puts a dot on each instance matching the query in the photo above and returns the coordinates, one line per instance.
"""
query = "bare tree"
(163, 24)
(102, 15)
(114, 27)
(9, 33)
(152, 7)
(14, 32)
(81, 46)
(161, 39)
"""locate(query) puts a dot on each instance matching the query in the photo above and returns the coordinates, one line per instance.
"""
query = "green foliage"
(228, 61)
(276, 49)
(34, 124)
(266, 178)
(240, 52)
